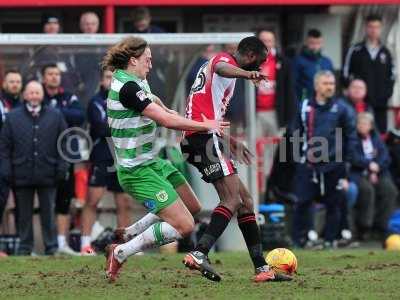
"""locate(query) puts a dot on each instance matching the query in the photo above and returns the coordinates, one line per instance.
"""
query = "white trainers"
(66, 250)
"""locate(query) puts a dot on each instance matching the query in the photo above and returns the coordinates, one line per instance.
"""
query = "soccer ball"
(282, 260)
(393, 242)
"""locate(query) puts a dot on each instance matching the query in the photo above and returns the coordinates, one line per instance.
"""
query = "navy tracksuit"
(99, 129)
(68, 104)
(318, 172)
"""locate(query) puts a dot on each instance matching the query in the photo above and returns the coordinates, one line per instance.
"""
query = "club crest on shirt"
(162, 196)
(141, 95)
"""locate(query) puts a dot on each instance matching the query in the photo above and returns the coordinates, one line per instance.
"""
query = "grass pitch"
(352, 274)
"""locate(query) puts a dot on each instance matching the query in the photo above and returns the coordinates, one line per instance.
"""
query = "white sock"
(85, 241)
(62, 241)
(156, 235)
(140, 226)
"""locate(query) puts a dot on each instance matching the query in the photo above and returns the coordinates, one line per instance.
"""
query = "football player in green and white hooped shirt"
(133, 114)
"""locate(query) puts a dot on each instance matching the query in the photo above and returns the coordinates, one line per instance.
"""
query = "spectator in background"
(275, 103)
(371, 61)
(4, 189)
(103, 174)
(141, 22)
(321, 165)
(57, 97)
(377, 193)
(356, 95)
(11, 92)
(60, 55)
(31, 164)
(275, 99)
(308, 63)
(88, 59)
(89, 22)
(51, 24)
(9, 99)
(205, 56)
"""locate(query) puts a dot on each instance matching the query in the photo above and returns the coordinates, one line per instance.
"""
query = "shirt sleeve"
(133, 97)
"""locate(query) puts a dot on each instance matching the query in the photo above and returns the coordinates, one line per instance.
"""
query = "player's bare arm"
(230, 71)
(158, 101)
(172, 121)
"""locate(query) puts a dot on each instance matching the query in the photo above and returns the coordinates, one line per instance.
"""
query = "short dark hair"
(11, 71)
(373, 18)
(140, 13)
(48, 66)
(314, 33)
(253, 44)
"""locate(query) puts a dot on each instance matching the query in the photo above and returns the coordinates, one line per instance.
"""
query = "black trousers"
(24, 198)
(381, 119)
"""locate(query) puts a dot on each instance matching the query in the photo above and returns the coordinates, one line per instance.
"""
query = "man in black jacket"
(371, 61)
(31, 163)
(9, 99)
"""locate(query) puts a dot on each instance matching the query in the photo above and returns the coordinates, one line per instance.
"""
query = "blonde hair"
(118, 56)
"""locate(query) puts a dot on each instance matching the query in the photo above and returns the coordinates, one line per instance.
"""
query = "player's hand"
(215, 125)
(240, 151)
(257, 77)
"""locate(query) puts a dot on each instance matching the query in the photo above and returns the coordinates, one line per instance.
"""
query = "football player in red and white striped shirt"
(209, 97)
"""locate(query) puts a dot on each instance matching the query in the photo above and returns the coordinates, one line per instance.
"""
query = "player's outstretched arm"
(230, 71)
(173, 121)
(158, 101)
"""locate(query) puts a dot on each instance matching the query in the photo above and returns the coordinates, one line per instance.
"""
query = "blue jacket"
(315, 122)
(69, 106)
(305, 66)
(360, 166)
(99, 129)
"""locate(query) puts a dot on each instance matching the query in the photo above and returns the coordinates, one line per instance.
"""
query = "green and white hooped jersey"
(132, 133)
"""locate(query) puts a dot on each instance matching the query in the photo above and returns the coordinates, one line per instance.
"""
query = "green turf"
(352, 274)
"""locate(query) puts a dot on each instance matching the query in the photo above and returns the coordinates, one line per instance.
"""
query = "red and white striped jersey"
(210, 93)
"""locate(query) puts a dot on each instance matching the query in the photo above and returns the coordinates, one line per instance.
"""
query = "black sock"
(251, 233)
(219, 220)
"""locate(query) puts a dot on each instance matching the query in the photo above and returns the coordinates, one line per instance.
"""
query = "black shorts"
(209, 153)
(103, 174)
(65, 193)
